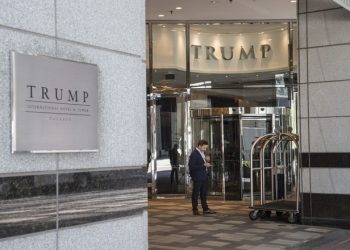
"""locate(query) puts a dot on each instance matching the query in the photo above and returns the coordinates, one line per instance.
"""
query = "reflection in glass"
(243, 67)
(235, 65)
(169, 58)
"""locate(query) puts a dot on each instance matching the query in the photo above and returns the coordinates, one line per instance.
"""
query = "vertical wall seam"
(300, 174)
(55, 7)
(308, 104)
(57, 155)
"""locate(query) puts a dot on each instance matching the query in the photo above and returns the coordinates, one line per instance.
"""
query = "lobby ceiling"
(220, 10)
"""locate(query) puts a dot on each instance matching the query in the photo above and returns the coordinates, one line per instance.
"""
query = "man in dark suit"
(174, 161)
(198, 171)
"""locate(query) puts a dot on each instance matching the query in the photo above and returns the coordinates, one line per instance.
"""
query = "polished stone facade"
(324, 117)
(56, 201)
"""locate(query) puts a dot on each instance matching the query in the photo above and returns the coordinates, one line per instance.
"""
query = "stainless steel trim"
(223, 158)
(47, 56)
(153, 117)
(241, 155)
(13, 103)
(187, 140)
(188, 54)
(59, 151)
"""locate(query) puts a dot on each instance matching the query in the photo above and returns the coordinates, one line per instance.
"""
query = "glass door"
(209, 128)
(167, 167)
(232, 157)
(223, 135)
(252, 128)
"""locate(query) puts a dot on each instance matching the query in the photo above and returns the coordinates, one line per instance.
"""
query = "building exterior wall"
(324, 77)
(91, 198)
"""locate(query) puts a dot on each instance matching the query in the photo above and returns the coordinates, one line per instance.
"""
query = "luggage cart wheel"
(265, 214)
(253, 215)
(279, 213)
(291, 218)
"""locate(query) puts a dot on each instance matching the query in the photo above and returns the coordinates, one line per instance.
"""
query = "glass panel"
(239, 64)
(209, 128)
(170, 153)
(168, 83)
(169, 58)
(232, 156)
(252, 128)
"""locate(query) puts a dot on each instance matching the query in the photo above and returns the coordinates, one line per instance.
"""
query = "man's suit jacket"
(198, 171)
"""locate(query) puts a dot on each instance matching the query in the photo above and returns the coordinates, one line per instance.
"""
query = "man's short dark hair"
(202, 142)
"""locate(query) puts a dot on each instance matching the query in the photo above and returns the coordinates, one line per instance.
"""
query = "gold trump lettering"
(227, 53)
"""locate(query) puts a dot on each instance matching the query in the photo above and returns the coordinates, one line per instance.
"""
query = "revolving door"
(229, 132)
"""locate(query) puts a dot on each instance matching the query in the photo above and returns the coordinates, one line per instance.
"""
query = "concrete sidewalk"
(172, 226)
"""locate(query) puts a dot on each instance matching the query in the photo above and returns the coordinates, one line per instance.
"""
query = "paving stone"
(245, 247)
(165, 216)
(285, 242)
(303, 235)
(235, 222)
(215, 243)
(177, 223)
(161, 228)
(317, 230)
(256, 230)
(267, 247)
(195, 232)
(229, 229)
(197, 248)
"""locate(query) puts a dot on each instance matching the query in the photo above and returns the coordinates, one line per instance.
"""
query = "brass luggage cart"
(282, 168)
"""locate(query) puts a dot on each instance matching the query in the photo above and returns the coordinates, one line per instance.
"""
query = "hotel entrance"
(227, 83)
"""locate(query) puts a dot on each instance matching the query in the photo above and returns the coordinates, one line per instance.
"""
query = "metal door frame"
(219, 113)
(153, 136)
(259, 117)
(222, 113)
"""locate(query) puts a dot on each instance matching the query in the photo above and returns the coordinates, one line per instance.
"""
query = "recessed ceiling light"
(282, 28)
(161, 15)
(179, 8)
(293, 1)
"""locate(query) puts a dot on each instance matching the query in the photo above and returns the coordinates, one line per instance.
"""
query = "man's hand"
(207, 164)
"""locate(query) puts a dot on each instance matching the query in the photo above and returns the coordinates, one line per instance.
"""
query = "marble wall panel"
(122, 109)
(125, 233)
(30, 44)
(327, 28)
(116, 25)
(44, 241)
(329, 63)
(31, 15)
